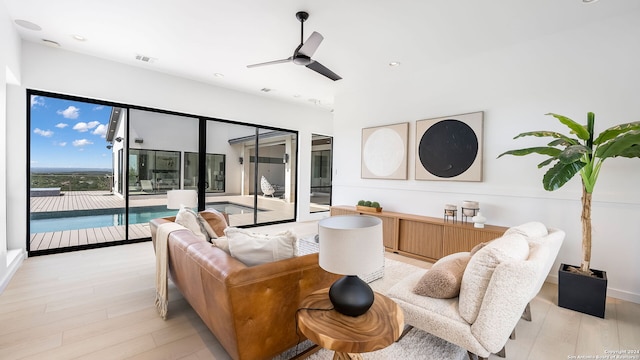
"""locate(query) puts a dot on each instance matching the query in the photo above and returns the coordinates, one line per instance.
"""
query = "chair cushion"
(443, 280)
(189, 219)
(214, 222)
(480, 269)
(254, 249)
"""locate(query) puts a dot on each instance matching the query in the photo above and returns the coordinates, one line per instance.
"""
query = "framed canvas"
(450, 148)
(384, 152)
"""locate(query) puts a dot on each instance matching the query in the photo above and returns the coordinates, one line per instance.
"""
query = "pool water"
(86, 219)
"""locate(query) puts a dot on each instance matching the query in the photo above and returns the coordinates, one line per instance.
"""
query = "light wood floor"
(98, 304)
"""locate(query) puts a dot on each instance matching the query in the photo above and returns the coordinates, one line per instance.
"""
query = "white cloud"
(45, 133)
(64, 143)
(81, 142)
(100, 130)
(37, 100)
(71, 112)
(84, 127)
(99, 107)
(61, 125)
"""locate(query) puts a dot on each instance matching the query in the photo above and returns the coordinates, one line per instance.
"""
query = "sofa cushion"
(189, 219)
(213, 222)
(254, 249)
(480, 269)
(443, 280)
(530, 230)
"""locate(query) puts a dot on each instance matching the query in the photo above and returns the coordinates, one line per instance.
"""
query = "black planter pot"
(585, 294)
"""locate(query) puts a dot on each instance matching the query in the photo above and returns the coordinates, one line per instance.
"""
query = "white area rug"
(415, 345)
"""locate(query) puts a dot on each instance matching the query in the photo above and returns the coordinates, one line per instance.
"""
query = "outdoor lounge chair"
(267, 188)
(146, 185)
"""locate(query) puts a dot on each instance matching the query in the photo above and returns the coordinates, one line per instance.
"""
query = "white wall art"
(384, 152)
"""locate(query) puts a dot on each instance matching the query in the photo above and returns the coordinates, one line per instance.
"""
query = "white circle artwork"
(383, 152)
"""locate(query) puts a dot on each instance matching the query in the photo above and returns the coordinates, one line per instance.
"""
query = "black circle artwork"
(448, 148)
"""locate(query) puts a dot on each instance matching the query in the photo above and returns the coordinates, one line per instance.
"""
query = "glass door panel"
(73, 194)
(158, 146)
(321, 160)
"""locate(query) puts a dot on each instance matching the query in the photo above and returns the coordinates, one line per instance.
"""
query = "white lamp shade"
(178, 198)
(351, 244)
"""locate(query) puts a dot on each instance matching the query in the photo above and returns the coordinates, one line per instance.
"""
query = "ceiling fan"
(304, 51)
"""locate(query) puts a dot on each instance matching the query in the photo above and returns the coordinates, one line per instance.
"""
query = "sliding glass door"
(115, 165)
(260, 173)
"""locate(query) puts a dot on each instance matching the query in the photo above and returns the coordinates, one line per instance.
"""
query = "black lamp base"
(351, 296)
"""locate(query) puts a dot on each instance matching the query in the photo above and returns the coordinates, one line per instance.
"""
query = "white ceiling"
(197, 38)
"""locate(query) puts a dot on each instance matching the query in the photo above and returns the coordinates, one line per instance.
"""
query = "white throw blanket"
(162, 261)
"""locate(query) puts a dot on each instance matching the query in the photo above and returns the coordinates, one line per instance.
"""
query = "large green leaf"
(614, 131)
(552, 134)
(537, 150)
(619, 145)
(573, 153)
(559, 174)
(546, 162)
(631, 152)
(580, 130)
(560, 142)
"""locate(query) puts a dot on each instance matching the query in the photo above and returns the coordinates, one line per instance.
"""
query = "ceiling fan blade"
(272, 62)
(322, 70)
(311, 45)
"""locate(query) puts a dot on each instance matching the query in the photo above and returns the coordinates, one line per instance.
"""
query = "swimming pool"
(85, 219)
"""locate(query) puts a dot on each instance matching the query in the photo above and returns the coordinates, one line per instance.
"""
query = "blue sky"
(68, 134)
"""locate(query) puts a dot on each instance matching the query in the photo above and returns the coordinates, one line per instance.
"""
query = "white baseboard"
(614, 293)
(14, 260)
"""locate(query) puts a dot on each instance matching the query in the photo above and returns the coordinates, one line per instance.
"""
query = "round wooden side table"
(349, 336)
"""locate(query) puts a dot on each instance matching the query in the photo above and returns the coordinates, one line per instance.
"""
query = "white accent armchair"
(497, 285)
(267, 188)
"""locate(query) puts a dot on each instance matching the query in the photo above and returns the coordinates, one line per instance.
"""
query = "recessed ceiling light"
(218, 75)
(589, 1)
(79, 37)
(265, 89)
(28, 25)
(144, 58)
(394, 63)
(51, 43)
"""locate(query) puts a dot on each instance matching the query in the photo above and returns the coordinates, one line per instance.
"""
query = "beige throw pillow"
(443, 280)
(255, 249)
(213, 222)
(189, 219)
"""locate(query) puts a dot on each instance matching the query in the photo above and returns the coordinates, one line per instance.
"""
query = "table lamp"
(179, 198)
(351, 245)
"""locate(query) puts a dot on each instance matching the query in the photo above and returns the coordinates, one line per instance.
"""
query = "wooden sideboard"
(424, 237)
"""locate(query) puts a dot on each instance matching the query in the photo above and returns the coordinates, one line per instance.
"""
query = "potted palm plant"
(581, 288)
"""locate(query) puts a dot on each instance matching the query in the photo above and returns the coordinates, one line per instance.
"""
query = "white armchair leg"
(527, 312)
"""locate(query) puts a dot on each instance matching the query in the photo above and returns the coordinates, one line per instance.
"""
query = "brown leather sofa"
(250, 310)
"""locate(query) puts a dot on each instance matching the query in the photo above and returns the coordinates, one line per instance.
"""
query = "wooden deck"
(90, 200)
(68, 238)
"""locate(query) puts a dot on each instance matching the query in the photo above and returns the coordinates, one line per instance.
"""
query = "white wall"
(60, 71)
(594, 68)
(9, 74)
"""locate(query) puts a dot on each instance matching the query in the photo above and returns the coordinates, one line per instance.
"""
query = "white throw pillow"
(480, 269)
(254, 249)
(189, 219)
(221, 242)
